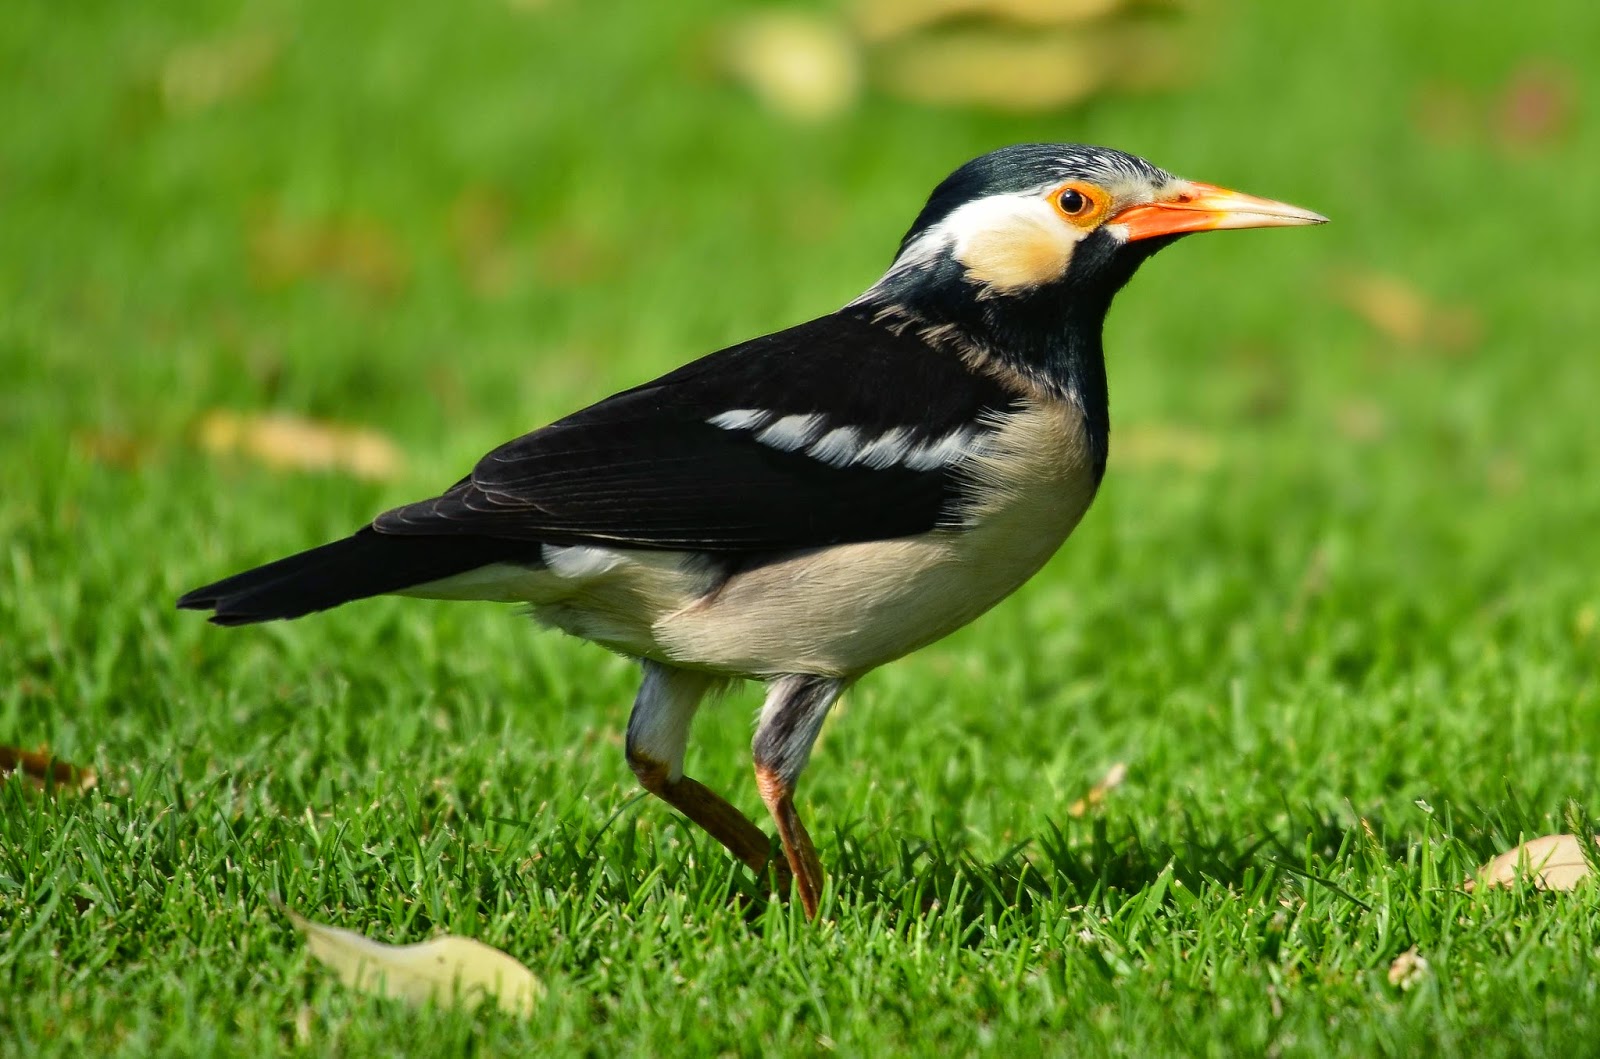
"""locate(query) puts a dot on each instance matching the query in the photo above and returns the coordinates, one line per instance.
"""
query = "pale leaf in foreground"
(289, 442)
(1553, 862)
(803, 66)
(447, 970)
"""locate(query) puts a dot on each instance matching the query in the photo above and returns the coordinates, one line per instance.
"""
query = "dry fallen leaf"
(1553, 862)
(1159, 445)
(1585, 621)
(1005, 70)
(575, 254)
(447, 970)
(1391, 306)
(358, 250)
(1403, 314)
(41, 771)
(1017, 55)
(112, 448)
(1505, 473)
(479, 227)
(883, 19)
(204, 74)
(1097, 794)
(1361, 419)
(1408, 970)
(803, 66)
(1536, 108)
(289, 442)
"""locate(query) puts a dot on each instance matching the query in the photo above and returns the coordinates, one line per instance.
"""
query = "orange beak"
(1205, 208)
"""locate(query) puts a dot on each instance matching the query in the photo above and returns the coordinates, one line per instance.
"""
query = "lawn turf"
(1335, 608)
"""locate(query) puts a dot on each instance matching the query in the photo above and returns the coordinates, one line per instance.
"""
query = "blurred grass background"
(1339, 583)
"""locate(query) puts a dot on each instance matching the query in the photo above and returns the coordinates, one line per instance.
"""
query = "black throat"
(1049, 336)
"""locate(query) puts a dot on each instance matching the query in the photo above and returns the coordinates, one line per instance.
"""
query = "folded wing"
(837, 430)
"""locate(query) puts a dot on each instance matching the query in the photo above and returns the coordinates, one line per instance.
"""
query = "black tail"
(366, 564)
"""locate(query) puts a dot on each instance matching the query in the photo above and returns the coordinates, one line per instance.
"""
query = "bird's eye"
(1079, 203)
(1073, 202)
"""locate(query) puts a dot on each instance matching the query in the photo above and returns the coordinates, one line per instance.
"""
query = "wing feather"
(651, 467)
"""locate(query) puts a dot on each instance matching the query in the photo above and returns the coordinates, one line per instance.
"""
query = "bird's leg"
(790, 720)
(658, 732)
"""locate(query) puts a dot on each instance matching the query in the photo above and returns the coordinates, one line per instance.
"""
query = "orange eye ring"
(1081, 204)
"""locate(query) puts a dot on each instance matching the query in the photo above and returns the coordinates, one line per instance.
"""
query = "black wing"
(727, 454)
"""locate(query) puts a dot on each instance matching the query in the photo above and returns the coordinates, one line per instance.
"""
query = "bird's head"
(1029, 243)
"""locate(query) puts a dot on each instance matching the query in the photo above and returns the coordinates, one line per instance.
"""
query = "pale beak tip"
(1283, 213)
(1271, 215)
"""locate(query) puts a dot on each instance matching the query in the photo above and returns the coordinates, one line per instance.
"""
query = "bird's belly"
(834, 611)
(844, 610)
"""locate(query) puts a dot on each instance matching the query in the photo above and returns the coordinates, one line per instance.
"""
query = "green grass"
(1347, 656)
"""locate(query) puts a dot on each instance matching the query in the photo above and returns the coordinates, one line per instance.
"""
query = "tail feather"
(365, 564)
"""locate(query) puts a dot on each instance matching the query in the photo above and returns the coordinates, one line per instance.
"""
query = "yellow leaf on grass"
(1165, 445)
(40, 770)
(1097, 794)
(1361, 419)
(1005, 70)
(289, 442)
(1023, 69)
(447, 970)
(1390, 305)
(480, 238)
(359, 251)
(885, 19)
(112, 448)
(1553, 862)
(1401, 313)
(206, 73)
(803, 66)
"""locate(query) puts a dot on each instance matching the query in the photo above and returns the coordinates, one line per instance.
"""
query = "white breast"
(846, 609)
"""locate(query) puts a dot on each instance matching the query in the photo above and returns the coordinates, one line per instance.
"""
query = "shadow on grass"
(1108, 865)
(1103, 863)
(1094, 863)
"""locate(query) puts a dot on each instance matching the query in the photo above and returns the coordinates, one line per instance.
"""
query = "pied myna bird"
(801, 508)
